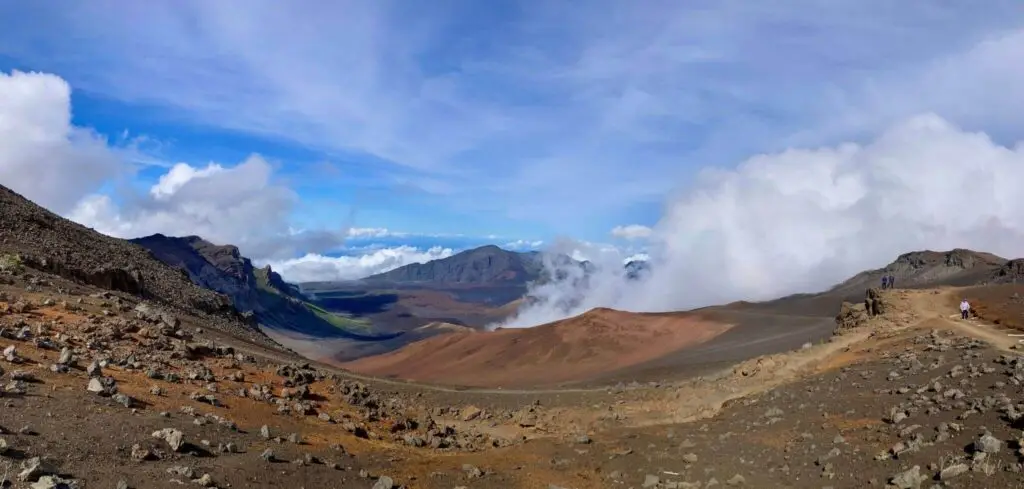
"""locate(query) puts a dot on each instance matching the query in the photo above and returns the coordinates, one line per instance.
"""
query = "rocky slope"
(957, 267)
(917, 269)
(260, 291)
(36, 238)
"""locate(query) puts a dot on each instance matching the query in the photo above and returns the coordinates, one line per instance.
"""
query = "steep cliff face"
(262, 292)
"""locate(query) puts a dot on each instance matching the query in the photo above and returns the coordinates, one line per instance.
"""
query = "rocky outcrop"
(957, 267)
(1010, 273)
(852, 316)
(873, 302)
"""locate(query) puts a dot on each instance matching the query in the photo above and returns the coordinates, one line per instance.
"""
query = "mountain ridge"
(47, 242)
(259, 292)
(486, 264)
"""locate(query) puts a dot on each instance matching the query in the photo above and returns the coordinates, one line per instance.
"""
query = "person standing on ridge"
(965, 307)
(885, 281)
(892, 282)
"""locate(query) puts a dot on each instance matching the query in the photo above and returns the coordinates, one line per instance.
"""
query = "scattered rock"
(384, 482)
(174, 438)
(988, 444)
(34, 468)
(908, 479)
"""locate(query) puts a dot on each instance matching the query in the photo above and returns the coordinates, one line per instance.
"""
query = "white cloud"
(523, 244)
(366, 233)
(319, 268)
(42, 155)
(178, 176)
(636, 257)
(238, 205)
(631, 232)
(805, 219)
(557, 99)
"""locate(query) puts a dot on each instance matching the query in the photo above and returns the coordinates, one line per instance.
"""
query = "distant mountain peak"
(487, 264)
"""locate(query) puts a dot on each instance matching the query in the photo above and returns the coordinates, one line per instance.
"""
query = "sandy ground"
(585, 347)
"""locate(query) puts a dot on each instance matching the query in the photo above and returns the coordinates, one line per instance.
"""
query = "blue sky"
(500, 121)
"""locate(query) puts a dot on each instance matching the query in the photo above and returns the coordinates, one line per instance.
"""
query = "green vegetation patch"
(341, 322)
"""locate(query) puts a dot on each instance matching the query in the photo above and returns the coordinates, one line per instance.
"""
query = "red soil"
(575, 349)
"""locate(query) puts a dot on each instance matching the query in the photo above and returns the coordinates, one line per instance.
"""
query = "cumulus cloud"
(320, 268)
(239, 204)
(802, 220)
(631, 232)
(43, 156)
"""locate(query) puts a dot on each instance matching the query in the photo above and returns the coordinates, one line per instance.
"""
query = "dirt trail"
(937, 303)
(707, 396)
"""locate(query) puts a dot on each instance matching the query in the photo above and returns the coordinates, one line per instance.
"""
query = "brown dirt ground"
(998, 304)
(705, 429)
(579, 348)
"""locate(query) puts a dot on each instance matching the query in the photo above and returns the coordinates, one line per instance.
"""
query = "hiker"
(885, 281)
(892, 282)
(964, 309)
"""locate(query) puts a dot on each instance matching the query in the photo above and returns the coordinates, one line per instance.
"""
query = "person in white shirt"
(964, 309)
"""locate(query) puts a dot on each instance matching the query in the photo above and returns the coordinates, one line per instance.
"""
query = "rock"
(850, 316)
(94, 369)
(122, 484)
(690, 458)
(34, 468)
(265, 432)
(583, 440)
(174, 438)
(736, 480)
(470, 413)
(267, 455)
(472, 471)
(123, 399)
(952, 471)
(295, 438)
(65, 356)
(11, 354)
(104, 386)
(205, 481)
(53, 482)
(908, 479)
(384, 482)
(140, 453)
(4, 447)
(182, 471)
(988, 444)
(651, 480)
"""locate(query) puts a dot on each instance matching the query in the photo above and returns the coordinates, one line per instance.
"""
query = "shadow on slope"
(274, 304)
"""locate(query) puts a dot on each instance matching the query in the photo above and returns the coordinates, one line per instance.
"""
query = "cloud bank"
(320, 268)
(803, 220)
